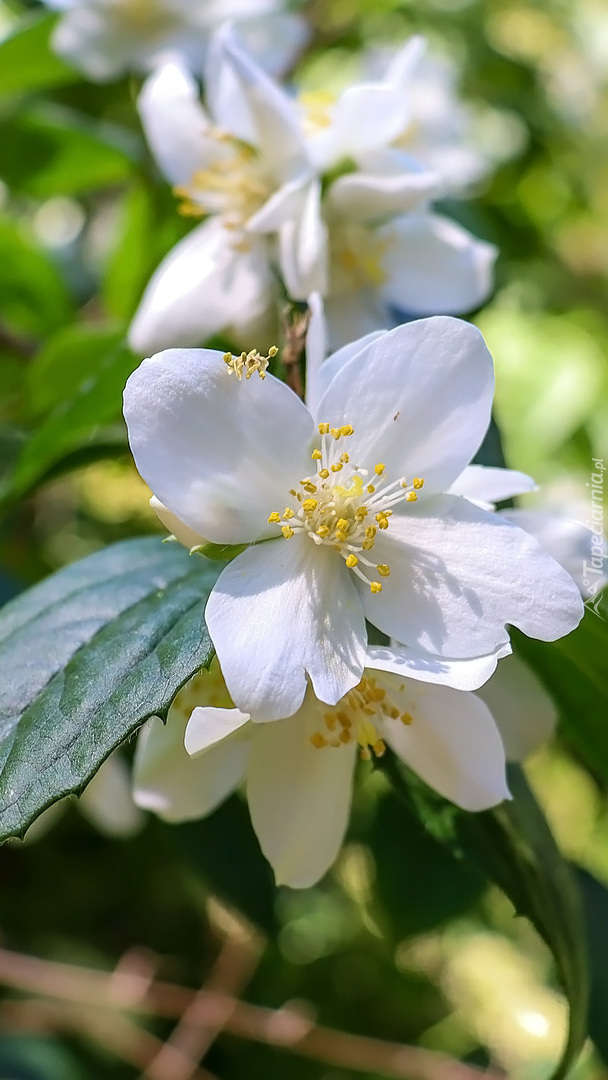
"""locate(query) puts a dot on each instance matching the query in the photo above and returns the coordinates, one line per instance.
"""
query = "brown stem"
(294, 324)
(283, 1028)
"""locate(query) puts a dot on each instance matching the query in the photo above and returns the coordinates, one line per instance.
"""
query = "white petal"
(458, 674)
(278, 611)
(273, 114)
(363, 196)
(274, 39)
(205, 286)
(458, 576)
(316, 349)
(433, 265)
(580, 551)
(523, 711)
(218, 453)
(320, 373)
(353, 314)
(107, 800)
(299, 797)
(303, 246)
(176, 786)
(486, 486)
(419, 399)
(452, 743)
(209, 726)
(181, 532)
(175, 123)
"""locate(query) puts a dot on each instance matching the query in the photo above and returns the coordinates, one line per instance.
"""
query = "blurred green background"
(405, 943)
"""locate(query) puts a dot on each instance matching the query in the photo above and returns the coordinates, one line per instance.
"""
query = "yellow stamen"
(316, 455)
(274, 519)
(309, 505)
(375, 586)
(379, 469)
(383, 569)
(411, 496)
(323, 429)
(288, 513)
(418, 482)
(287, 532)
(351, 561)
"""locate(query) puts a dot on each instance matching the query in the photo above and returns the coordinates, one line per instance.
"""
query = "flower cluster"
(334, 194)
(357, 507)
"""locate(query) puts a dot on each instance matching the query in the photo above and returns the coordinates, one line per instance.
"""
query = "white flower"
(299, 771)
(356, 226)
(220, 277)
(106, 38)
(354, 490)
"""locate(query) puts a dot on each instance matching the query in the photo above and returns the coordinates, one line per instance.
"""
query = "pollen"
(383, 569)
(274, 519)
(352, 561)
(287, 532)
(316, 455)
(248, 364)
(379, 469)
(288, 513)
(417, 482)
(360, 717)
(323, 429)
(309, 505)
(375, 587)
(411, 496)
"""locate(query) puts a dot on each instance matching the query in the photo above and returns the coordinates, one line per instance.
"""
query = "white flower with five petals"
(345, 509)
(355, 225)
(107, 38)
(299, 771)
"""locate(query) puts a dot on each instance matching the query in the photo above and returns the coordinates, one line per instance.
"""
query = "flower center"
(353, 719)
(248, 363)
(344, 505)
(205, 688)
(356, 256)
(145, 17)
(233, 185)
(316, 107)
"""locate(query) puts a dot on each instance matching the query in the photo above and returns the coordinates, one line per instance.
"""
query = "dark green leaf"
(27, 61)
(595, 900)
(514, 847)
(575, 671)
(224, 850)
(47, 150)
(419, 882)
(34, 296)
(88, 393)
(86, 657)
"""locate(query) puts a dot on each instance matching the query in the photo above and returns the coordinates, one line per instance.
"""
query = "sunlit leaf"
(27, 61)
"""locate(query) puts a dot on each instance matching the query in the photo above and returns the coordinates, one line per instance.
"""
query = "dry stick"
(199, 1026)
(294, 325)
(282, 1028)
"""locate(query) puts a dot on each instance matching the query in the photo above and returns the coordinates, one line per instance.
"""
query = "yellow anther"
(323, 531)
(318, 740)
(274, 519)
(292, 491)
(323, 429)
(382, 520)
(418, 482)
(337, 467)
(340, 536)
(287, 532)
(316, 455)
(375, 586)
(351, 561)
(379, 469)
(361, 513)
(288, 513)
(406, 718)
(411, 496)
(331, 720)
(365, 753)
(344, 458)
(309, 505)
(324, 473)
(309, 486)
(379, 748)
(345, 736)
(347, 429)
(367, 545)
(336, 432)
(273, 350)
(344, 719)
(370, 532)
(383, 569)
(342, 524)
(370, 488)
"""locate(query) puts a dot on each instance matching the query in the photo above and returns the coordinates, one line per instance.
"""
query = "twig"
(294, 324)
(199, 1026)
(283, 1028)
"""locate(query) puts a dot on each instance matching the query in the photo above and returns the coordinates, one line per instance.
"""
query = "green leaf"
(27, 61)
(88, 393)
(595, 899)
(575, 672)
(50, 150)
(419, 882)
(35, 299)
(516, 848)
(513, 845)
(86, 657)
